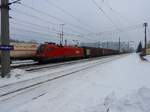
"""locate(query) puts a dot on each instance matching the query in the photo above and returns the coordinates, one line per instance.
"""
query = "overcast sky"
(83, 20)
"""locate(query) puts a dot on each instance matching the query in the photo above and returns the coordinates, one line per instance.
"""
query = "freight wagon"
(52, 51)
(96, 52)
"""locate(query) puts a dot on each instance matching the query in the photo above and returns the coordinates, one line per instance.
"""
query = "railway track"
(34, 68)
(29, 65)
(11, 90)
(34, 65)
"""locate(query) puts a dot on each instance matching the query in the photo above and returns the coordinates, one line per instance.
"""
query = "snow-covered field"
(117, 86)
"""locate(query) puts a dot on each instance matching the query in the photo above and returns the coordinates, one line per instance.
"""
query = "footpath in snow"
(122, 85)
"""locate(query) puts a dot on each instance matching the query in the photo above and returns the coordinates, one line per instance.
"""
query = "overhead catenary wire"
(36, 37)
(33, 16)
(117, 17)
(87, 36)
(45, 33)
(81, 35)
(35, 29)
(56, 18)
(76, 34)
(36, 17)
(42, 28)
(100, 9)
(18, 21)
(125, 29)
(69, 14)
(42, 20)
(118, 14)
(32, 31)
(25, 13)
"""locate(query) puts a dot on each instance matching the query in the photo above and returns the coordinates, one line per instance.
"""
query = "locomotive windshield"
(40, 48)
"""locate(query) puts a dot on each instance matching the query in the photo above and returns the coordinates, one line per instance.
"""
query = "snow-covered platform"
(121, 85)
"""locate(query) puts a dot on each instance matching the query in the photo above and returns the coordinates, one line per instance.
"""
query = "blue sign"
(6, 47)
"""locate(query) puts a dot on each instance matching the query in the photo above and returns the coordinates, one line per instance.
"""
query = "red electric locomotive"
(52, 51)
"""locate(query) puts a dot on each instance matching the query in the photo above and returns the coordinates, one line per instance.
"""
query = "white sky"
(88, 20)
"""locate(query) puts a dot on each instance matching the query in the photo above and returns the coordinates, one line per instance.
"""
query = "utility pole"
(62, 34)
(107, 44)
(99, 44)
(119, 45)
(65, 42)
(145, 26)
(128, 46)
(5, 46)
(60, 38)
(5, 54)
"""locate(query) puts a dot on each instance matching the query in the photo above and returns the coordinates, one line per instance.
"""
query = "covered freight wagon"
(96, 52)
(92, 52)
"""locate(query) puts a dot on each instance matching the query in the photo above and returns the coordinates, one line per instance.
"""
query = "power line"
(125, 29)
(68, 13)
(46, 33)
(18, 21)
(117, 13)
(23, 35)
(36, 17)
(33, 16)
(42, 20)
(90, 34)
(56, 18)
(39, 26)
(105, 14)
(31, 31)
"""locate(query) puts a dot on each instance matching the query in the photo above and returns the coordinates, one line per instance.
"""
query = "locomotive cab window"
(41, 49)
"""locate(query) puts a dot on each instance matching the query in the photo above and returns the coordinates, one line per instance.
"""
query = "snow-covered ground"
(147, 58)
(18, 75)
(117, 86)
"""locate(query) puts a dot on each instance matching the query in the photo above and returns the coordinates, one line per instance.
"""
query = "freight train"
(52, 51)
